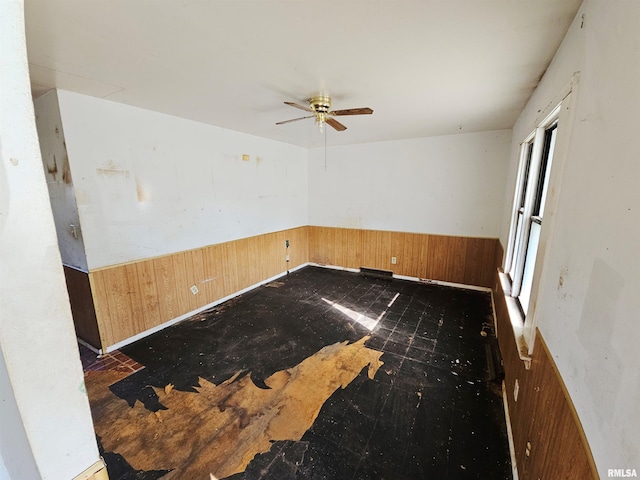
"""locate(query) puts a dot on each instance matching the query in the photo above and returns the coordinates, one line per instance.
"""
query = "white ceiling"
(428, 67)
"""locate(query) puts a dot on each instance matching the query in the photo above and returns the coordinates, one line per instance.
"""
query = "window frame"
(534, 171)
(562, 108)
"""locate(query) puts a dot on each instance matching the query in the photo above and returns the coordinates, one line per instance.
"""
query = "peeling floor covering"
(322, 375)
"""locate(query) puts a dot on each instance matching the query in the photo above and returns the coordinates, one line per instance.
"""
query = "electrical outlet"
(516, 389)
(394, 260)
(194, 289)
(287, 257)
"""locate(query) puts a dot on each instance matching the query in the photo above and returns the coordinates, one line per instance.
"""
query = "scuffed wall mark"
(237, 417)
(562, 279)
(111, 169)
(141, 192)
(52, 169)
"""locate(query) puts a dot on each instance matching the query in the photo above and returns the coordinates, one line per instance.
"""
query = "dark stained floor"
(295, 365)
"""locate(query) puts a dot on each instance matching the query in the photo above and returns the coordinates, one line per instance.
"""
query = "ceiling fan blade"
(352, 111)
(335, 124)
(295, 119)
(306, 109)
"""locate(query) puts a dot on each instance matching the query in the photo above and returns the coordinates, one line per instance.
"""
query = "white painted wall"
(449, 185)
(149, 184)
(589, 319)
(42, 390)
(58, 174)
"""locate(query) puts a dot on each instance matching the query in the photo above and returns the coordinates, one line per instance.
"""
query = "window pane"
(516, 243)
(525, 179)
(529, 265)
(550, 145)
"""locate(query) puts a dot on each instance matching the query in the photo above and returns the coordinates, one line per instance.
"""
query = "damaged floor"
(321, 375)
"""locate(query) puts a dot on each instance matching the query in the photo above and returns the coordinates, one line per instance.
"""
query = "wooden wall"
(548, 437)
(466, 260)
(134, 297)
(82, 309)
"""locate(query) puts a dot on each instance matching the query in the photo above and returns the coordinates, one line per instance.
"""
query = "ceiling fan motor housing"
(320, 104)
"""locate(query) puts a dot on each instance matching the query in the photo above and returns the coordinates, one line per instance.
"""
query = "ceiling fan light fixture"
(321, 118)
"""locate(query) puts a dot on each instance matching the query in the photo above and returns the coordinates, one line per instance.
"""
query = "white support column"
(46, 429)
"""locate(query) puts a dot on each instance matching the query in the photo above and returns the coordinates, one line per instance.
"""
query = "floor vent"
(375, 273)
(494, 361)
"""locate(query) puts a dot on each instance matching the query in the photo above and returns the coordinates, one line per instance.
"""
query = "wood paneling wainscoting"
(82, 309)
(135, 297)
(466, 260)
(548, 437)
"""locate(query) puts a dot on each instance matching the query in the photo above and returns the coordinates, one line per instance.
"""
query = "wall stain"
(111, 169)
(221, 428)
(53, 169)
(141, 192)
(66, 170)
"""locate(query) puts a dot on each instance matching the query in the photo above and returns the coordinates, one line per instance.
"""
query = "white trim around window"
(538, 182)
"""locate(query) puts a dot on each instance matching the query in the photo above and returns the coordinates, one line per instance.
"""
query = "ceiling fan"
(319, 106)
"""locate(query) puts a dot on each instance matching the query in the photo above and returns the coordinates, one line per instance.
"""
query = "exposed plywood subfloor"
(228, 424)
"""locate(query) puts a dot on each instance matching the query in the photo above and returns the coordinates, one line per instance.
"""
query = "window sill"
(516, 319)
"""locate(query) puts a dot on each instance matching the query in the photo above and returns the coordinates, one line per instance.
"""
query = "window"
(536, 156)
